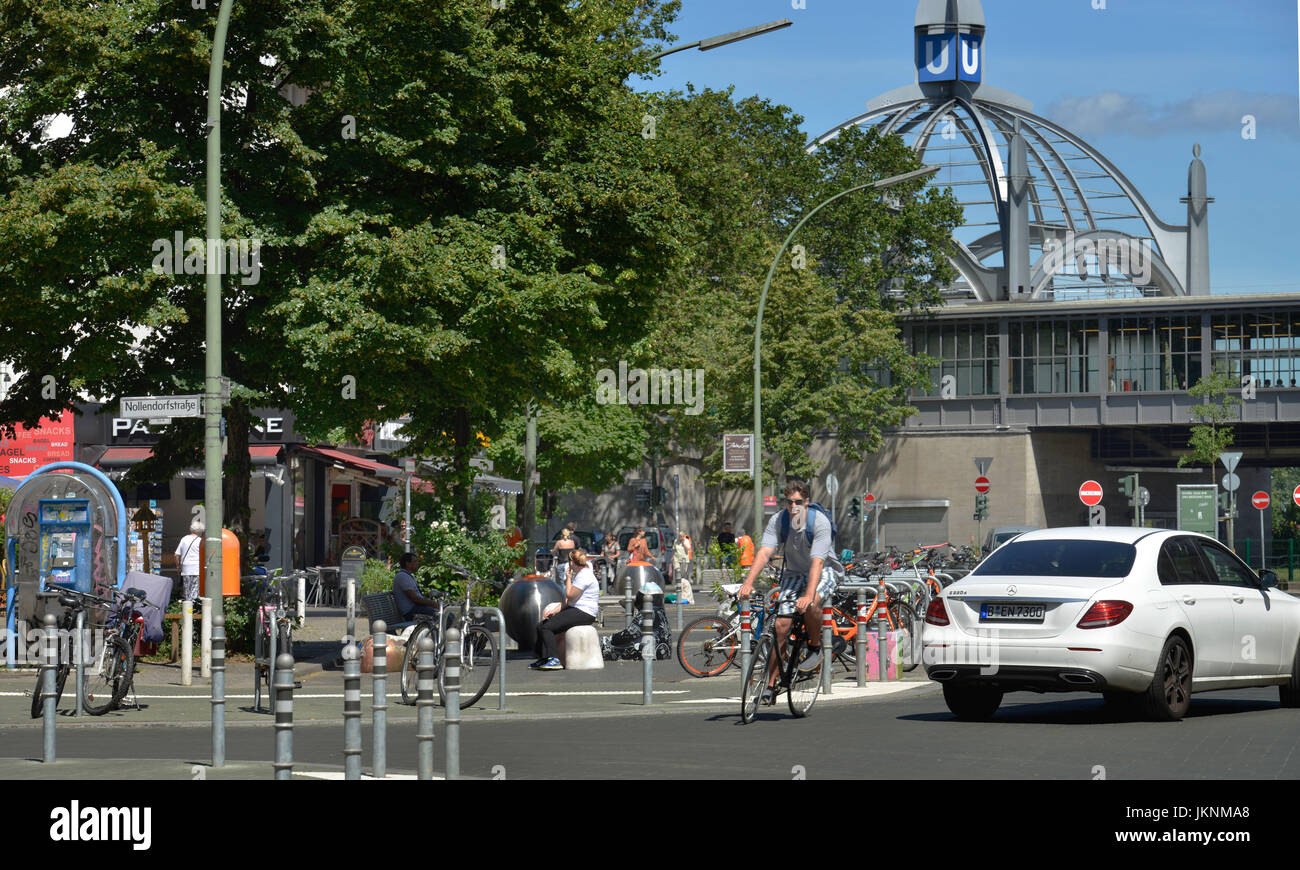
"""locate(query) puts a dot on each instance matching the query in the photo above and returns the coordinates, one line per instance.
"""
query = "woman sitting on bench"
(580, 607)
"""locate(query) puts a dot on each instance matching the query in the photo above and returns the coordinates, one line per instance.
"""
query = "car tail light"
(936, 613)
(1105, 613)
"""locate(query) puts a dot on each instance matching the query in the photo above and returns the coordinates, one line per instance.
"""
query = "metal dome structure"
(1047, 216)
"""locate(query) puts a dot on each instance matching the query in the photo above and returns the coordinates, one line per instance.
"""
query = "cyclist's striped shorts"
(793, 585)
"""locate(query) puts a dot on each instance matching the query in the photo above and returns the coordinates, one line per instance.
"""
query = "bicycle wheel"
(478, 664)
(110, 685)
(756, 679)
(60, 679)
(410, 661)
(804, 684)
(708, 646)
(908, 626)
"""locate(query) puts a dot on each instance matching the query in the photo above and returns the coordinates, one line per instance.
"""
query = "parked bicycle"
(478, 649)
(272, 632)
(114, 677)
(708, 646)
(73, 602)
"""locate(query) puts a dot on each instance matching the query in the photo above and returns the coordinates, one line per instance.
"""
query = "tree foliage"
(1211, 436)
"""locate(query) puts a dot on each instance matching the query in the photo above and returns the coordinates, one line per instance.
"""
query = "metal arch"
(856, 121)
(995, 173)
(1161, 274)
(1061, 162)
(904, 112)
(922, 140)
(1008, 130)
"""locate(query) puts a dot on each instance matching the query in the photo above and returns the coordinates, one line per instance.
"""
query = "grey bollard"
(205, 639)
(379, 721)
(647, 649)
(218, 685)
(882, 648)
(628, 603)
(828, 648)
(351, 712)
(746, 629)
(680, 588)
(861, 640)
(79, 662)
(451, 703)
(424, 710)
(283, 717)
(49, 705)
(187, 643)
(302, 598)
(352, 606)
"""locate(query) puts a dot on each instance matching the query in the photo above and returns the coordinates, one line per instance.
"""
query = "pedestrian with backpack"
(809, 573)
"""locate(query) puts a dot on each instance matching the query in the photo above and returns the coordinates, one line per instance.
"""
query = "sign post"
(982, 486)
(832, 487)
(1261, 501)
(1090, 493)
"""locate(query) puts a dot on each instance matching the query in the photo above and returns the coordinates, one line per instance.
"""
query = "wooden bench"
(175, 620)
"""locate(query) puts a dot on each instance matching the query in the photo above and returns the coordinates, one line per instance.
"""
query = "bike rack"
(477, 610)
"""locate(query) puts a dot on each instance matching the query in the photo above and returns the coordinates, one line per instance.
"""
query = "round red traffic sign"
(1260, 499)
(1090, 493)
(981, 484)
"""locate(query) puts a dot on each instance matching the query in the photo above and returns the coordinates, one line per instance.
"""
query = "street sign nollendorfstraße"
(155, 407)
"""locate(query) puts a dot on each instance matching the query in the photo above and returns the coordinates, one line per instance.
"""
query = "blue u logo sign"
(940, 59)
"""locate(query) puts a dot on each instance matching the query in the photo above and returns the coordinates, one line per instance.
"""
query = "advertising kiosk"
(66, 528)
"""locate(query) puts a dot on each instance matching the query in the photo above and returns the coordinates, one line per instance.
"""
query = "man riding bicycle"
(809, 575)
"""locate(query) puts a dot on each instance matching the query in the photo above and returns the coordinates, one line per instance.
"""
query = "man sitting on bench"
(409, 600)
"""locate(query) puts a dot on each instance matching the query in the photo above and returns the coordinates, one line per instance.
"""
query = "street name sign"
(155, 407)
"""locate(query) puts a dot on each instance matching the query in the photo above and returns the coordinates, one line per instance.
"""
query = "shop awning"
(124, 457)
(360, 463)
(500, 484)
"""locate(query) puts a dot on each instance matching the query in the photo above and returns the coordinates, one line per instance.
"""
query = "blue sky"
(1141, 80)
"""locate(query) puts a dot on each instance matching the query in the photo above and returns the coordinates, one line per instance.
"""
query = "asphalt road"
(1228, 735)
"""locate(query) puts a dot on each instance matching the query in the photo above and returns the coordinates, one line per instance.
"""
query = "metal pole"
(352, 608)
(647, 649)
(379, 716)
(527, 521)
(406, 527)
(283, 717)
(746, 628)
(187, 642)
(205, 639)
(451, 703)
(218, 684)
(882, 647)
(424, 710)
(49, 663)
(212, 399)
(302, 598)
(827, 648)
(628, 600)
(351, 712)
(79, 661)
(861, 640)
(1261, 539)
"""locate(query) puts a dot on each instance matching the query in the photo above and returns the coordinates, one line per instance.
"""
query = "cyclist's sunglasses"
(796, 501)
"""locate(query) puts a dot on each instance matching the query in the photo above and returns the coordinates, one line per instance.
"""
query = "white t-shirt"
(589, 602)
(188, 553)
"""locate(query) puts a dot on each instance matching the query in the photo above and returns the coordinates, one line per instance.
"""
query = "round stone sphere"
(522, 604)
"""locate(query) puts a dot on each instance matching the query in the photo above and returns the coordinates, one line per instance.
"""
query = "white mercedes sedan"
(1141, 616)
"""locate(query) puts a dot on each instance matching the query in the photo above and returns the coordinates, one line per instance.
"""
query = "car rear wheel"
(1291, 691)
(972, 703)
(1170, 694)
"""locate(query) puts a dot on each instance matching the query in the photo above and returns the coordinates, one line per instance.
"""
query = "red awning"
(357, 462)
(121, 457)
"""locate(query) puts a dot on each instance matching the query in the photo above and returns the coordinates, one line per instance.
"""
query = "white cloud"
(1113, 113)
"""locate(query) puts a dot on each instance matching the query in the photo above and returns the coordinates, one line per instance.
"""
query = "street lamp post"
(758, 324)
(729, 38)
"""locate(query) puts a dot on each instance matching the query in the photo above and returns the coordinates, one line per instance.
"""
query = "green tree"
(1213, 434)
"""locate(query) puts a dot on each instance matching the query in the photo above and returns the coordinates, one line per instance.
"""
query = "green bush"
(376, 576)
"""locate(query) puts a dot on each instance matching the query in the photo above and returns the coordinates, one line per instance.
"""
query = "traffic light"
(981, 507)
(1227, 505)
(1128, 485)
(853, 508)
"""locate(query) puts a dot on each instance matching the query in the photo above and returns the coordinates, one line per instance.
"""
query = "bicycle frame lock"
(62, 531)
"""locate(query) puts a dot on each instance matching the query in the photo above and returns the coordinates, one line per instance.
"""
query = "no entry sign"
(1090, 492)
(981, 484)
(1260, 500)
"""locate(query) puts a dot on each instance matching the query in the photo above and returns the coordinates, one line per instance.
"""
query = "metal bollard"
(379, 720)
(302, 599)
(49, 664)
(283, 717)
(861, 640)
(424, 710)
(205, 639)
(187, 643)
(451, 703)
(79, 662)
(680, 587)
(882, 648)
(218, 686)
(746, 629)
(628, 599)
(647, 649)
(351, 712)
(828, 659)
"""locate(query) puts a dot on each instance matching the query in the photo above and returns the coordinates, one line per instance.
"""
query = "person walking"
(610, 551)
(745, 546)
(681, 557)
(560, 552)
(187, 557)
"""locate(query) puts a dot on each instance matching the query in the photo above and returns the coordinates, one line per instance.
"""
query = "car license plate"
(1017, 612)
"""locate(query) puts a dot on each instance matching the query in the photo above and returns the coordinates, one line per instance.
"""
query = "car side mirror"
(1268, 578)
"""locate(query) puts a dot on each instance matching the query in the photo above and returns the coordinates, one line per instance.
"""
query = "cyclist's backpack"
(813, 510)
